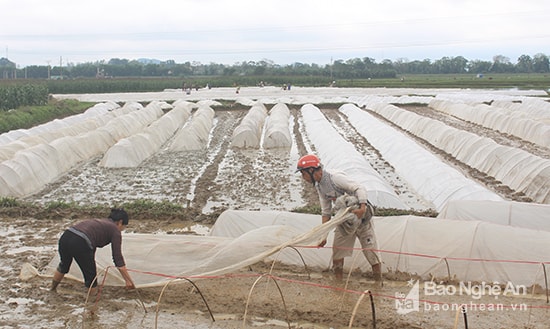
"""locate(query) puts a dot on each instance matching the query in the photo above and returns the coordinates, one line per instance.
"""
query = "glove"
(350, 224)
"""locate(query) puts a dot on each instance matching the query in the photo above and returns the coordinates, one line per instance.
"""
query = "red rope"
(323, 286)
(434, 256)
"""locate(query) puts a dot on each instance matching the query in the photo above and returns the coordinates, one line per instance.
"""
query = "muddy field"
(208, 182)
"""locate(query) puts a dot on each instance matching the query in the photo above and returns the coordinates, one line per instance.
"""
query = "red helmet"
(308, 161)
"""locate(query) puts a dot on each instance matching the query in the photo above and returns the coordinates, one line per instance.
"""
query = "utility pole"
(49, 74)
(331, 70)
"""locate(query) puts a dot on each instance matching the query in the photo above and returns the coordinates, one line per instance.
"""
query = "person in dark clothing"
(79, 242)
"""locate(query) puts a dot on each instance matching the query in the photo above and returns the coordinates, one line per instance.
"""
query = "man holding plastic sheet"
(336, 187)
(79, 242)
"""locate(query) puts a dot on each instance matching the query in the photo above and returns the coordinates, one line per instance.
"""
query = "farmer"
(79, 242)
(333, 184)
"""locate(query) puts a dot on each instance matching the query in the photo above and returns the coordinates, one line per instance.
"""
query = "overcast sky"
(38, 32)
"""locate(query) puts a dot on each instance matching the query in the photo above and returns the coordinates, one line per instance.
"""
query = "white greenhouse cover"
(389, 99)
(92, 118)
(531, 107)
(277, 132)
(133, 150)
(52, 126)
(519, 214)
(337, 153)
(474, 250)
(156, 259)
(194, 135)
(518, 169)
(436, 181)
(495, 118)
(32, 168)
(208, 103)
(249, 132)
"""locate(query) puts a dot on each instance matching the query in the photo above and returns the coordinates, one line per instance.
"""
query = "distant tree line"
(355, 68)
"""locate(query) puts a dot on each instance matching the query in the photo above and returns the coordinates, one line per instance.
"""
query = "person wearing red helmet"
(308, 164)
(330, 185)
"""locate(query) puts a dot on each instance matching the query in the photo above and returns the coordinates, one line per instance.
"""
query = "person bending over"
(79, 242)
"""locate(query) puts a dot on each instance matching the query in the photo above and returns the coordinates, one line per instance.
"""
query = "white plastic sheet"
(156, 259)
(519, 214)
(337, 153)
(474, 250)
(133, 150)
(433, 248)
(495, 118)
(249, 132)
(194, 135)
(520, 170)
(436, 181)
(277, 133)
(32, 168)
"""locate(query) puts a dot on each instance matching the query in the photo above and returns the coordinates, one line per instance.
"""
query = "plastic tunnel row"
(277, 133)
(454, 247)
(125, 137)
(509, 121)
(30, 169)
(54, 125)
(337, 153)
(258, 123)
(128, 135)
(518, 169)
(131, 151)
(189, 132)
(194, 135)
(410, 160)
(533, 108)
(432, 248)
(249, 132)
(20, 139)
